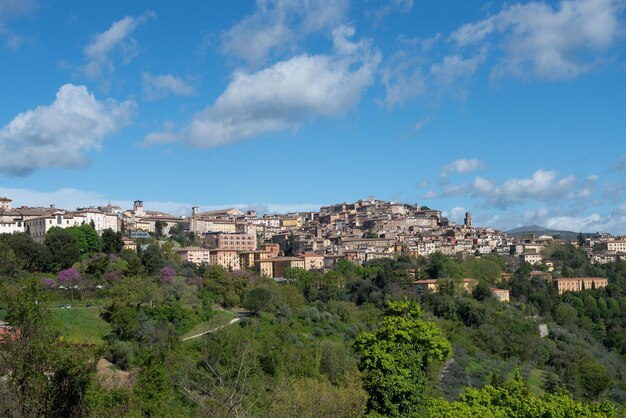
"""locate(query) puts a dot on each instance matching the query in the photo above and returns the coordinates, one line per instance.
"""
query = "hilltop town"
(359, 232)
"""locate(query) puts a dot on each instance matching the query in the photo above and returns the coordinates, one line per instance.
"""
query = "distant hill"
(539, 230)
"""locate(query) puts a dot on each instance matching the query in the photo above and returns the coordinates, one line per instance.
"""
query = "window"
(59, 220)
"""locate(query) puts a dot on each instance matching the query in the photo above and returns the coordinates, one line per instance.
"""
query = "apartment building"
(240, 242)
(229, 259)
(576, 284)
(196, 255)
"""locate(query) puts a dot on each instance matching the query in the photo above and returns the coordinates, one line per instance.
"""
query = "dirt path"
(232, 321)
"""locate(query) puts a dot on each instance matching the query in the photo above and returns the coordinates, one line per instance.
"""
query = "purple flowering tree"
(167, 275)
(70, 279)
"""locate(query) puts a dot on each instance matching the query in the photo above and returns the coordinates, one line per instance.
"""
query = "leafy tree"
(94, 242)
(87, 238)
(112, 241)
(9, 265)
(482, 291)
(394, 359)
(30, 255)
(437, 266)
(159, 226)
(63, 247)
(152, 259)
(256, 299)
(513, 399)
(314, 398)
(565, 314)
(581, 239)
(134, 266)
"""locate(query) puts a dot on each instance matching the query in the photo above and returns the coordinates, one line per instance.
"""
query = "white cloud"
(118, 38)
(545, 42)
(59, 135)
(613, 222)
(450, 74)
(278, 25)
(160, 86)
(10, 10)
(393, 6)
(161, 138)
(462, 166)
(456, 214)
(542, 185)
(288, 93)
(410, 73)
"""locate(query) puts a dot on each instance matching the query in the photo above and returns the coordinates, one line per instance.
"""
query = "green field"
(82, 325)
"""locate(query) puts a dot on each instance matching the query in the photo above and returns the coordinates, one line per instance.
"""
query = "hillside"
(539, 230)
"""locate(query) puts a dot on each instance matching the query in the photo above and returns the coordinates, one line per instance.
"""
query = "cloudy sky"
(514, 111)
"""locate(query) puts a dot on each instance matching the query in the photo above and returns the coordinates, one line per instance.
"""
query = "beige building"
(531, 258)
(229, 259)
(240, 242)
(39, 227)
(291, 223)
(129, 244)
(276, 266)
(313, 261)
(432, 285)
(205, 226)
(500, 294)
(196, 255)
(576, 284)
(248, 258)
(616, 246)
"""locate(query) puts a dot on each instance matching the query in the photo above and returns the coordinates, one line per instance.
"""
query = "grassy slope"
(82, 325)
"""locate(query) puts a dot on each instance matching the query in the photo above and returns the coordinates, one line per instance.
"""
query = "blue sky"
(512, 110)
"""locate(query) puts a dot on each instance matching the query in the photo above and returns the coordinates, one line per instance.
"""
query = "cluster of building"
(365, 230)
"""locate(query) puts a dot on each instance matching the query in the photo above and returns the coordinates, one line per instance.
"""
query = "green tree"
(94, 242)
(9, 265)
(159, 226)
(256, 299)
(314, 398)
(513, 399)
(394, 359)
(581, 239)
(482, 291)
(152, 259)
(31, 256)
(112, 241)
(63, 247)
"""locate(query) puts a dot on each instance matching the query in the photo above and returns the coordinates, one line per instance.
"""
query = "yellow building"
(501, 294)
(291, 223)
(229, 259)
(248, 258)
(432, 285)
(313, 261)
(276, 266)
(576, 284)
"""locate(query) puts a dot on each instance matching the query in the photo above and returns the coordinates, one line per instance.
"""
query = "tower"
(5, 203)
(468, 220)
(138, 206)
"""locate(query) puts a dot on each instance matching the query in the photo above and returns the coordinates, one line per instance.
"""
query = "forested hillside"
(94, 330)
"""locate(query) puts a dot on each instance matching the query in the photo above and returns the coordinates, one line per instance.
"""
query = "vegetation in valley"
(102, 331)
